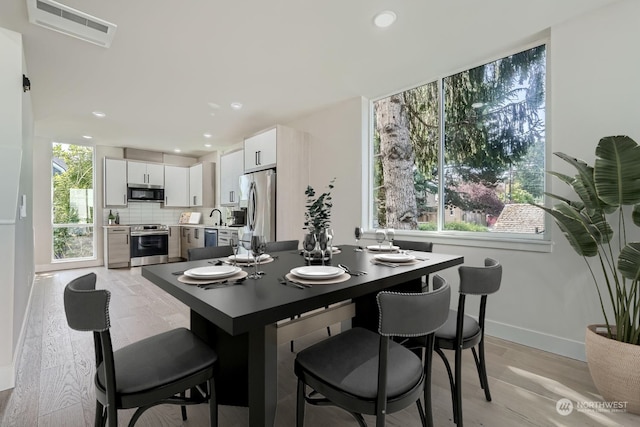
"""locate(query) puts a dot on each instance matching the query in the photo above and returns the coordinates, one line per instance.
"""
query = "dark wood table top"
(255, 303)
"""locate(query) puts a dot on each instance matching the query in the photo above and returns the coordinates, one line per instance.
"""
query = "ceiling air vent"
(63, 19)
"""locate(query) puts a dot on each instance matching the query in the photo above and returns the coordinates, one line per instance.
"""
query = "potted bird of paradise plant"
(599, 226)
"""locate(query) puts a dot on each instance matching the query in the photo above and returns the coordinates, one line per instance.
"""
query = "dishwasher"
(210, 237)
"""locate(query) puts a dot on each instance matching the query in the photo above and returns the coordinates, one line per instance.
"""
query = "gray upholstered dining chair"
(364, 372)
(462, 331)
(208, 252)
(156, 370)
(412, 245)
(282, 245)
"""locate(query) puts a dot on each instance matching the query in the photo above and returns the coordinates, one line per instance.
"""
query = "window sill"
(451, 239)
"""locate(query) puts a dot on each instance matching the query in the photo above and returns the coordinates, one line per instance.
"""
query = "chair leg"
(213, 404)
(112, 415)
(100, 416)
(454, 402)
(482, 370)
(183, 409)
(427, 420)
(423, 420)
(458, 382)
(300, 401)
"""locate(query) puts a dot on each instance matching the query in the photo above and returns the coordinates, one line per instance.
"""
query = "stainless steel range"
(149, 244)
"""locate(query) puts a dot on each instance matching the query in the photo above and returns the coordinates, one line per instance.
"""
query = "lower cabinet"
(117, 247)
(174, 243)
(190, 237)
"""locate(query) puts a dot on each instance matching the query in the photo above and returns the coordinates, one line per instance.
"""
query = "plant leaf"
(629, 261)
(635, 215)
(583, 183)
(617, 170)
(575, 227)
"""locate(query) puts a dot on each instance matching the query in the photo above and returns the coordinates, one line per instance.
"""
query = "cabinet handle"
(127, 239)
(259, 159)
(194, 200)
(255, 158)
(124, 198)
(231, 196)
(196, 234)
(169, 231)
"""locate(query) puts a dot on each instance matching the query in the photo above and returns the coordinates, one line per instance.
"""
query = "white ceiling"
(281, 58)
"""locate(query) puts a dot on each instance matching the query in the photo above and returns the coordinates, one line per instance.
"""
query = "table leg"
(263, 376)
(247, 368)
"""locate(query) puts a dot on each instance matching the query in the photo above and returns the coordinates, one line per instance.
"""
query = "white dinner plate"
(318, 272)
(383, 248)
(395, 257)
(248, 257)
(212, 272)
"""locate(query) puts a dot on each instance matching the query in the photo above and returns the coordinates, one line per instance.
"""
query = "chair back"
(282, 245)
(413, 245)
(86, 308)
(414, 314)
(209, 252)
(480, 280)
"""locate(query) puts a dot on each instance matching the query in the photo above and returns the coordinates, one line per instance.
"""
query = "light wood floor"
(55, 375)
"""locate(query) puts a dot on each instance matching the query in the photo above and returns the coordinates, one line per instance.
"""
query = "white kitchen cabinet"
(231, 167)
(176, 186)
(260, 151)
(202, 185)
(145, 174)
(115, 182)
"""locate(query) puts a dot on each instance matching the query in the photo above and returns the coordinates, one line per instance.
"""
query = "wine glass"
(233, 242)
(309, 244)
(258, 246)
(358, 233)
(391, 233)
(323, 241)
(381, 236)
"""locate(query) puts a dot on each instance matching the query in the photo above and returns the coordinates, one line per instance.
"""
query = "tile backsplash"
(156, 213)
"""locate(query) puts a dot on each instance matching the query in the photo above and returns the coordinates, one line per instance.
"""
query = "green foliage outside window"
(73, 209)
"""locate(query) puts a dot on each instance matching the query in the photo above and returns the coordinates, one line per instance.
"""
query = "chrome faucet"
(220, 215)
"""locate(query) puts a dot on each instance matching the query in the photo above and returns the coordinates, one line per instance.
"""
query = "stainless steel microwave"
(138, 194)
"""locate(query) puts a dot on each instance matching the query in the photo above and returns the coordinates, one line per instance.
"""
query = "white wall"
(16, 233)
(546, 299)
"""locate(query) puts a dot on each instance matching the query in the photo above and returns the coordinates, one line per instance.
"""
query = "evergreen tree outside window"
(466, 152)
(73, 202)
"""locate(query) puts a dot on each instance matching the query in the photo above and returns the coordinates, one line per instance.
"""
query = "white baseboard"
(542, 341)
(7, 377)
(8, 372)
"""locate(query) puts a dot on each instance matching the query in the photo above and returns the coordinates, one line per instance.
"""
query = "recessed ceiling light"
(236, 105)
(207, 145)
(207, 135)
(99, 114)
(177, 150)
(213, 105)
(384, 19)
(213, 114)
(87, 136)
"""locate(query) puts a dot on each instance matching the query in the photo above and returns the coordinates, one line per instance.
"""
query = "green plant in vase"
(318, 214)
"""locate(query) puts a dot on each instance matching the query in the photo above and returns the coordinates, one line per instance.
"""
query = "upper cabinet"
(202, 185)
(231, 167)
(115, 182)
(145, 174)
(260, 151)
(176, 186)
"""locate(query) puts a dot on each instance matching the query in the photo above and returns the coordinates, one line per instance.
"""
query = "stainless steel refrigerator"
(258, 195)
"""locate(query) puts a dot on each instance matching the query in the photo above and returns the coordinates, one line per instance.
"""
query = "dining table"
(243, 320)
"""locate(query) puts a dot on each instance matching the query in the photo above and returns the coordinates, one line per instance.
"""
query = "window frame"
(512, 241)
(55, 226)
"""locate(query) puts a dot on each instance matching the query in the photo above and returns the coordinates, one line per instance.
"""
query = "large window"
(466, 152)
(73, 227)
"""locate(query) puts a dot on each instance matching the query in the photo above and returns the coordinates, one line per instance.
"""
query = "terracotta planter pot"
(614, 368)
